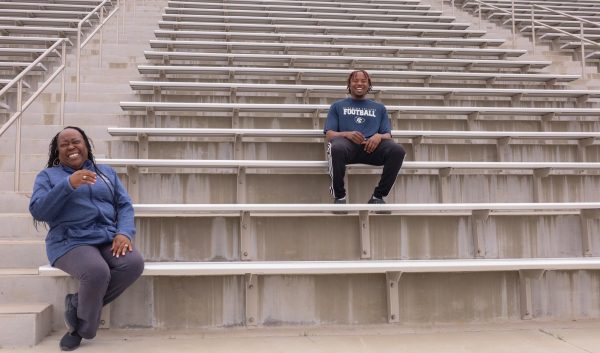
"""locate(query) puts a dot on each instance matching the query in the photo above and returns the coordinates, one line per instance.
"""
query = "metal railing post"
(17, 176)
(479, 3)
(101, 37)
(63, 83)
(533, 27)
(452, 5)
(78, 59)
(514, 30)
(582, 50)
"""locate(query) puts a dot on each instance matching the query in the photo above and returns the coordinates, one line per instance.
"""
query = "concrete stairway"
(30, 306)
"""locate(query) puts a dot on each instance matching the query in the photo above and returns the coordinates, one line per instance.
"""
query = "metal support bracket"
(581, 147)
(538, 189)
(502, 149)
(443, 183)
(238, 152)
(515, 99)
(365, 234)
(133, 183)
(251, 282)
(478, 222)
(393, 296)
(416, 143)
(590, 225)
(315, 120)
(150, 118)
(526, 277)
(142, 146)
(241, 185)
(582, 99)
(235, 119)
(246, 252)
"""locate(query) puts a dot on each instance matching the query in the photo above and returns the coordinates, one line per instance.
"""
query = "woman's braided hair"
(53, 160)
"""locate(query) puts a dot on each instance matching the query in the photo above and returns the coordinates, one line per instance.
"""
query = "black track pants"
(341, 152)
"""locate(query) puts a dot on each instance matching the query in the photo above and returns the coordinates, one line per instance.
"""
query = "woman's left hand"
(121, 244)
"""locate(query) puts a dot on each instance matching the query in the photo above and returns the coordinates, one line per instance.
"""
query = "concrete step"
(24, 324)
(22, 253)
(19, 225)
(11, 201)
(78, 108)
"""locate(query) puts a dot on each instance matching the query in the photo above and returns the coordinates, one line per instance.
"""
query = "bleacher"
(222, 150)
(232, 100)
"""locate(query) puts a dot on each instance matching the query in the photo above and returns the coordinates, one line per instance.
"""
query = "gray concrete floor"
(530, 337)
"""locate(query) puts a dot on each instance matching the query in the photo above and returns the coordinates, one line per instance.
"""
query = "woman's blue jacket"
(88, 215)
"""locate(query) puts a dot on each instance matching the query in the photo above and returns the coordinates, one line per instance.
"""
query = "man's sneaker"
(340, 202)
(70, 314)
(70, 341)
(378, 201)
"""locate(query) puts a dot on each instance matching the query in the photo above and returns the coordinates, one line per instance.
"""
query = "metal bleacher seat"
(56, 31)
(46, 5)
(182, 21)
(305, 73)
(29, 41)
(338, 48)
(298, 11)
(26, 52)
(406, 30)
(18, 66)
(341, 6)
(416, 138)
(301, 17)
(328, 38)
(447, 93)
(39, 21)
(316, 109)
(42, 13)
(296, 60)
(528, 270)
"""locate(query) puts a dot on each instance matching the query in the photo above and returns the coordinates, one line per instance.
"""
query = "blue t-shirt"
(364, 115)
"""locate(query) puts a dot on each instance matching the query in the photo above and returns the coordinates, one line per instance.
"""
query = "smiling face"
(72, 151)
(359, 85)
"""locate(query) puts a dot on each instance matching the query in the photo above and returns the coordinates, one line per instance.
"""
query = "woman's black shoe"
(70, 341)
(71, 320)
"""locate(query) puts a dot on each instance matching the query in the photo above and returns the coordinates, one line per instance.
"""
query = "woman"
(91, 230)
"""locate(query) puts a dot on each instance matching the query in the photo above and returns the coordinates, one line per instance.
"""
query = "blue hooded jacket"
(82, 216)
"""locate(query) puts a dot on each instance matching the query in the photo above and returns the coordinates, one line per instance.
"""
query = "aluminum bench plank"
(332, 38)
(352, 267)
(296, 59)
(340, 73)
(302, 88)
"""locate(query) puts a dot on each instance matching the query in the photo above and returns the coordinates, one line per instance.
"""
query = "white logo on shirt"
(359, 119)
(360, 111)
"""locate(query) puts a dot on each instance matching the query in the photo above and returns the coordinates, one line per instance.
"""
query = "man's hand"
(120, 245)
(355, 136)
(371, 144)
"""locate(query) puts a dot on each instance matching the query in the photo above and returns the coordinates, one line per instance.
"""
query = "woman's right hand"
(81, 177)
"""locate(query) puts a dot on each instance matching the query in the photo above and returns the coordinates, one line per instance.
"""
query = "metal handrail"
(581, 38)
(20, 106)
(479, 2)
(535, 22)
(100, 8)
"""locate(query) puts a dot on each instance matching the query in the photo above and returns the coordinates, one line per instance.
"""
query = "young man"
(359, 131)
